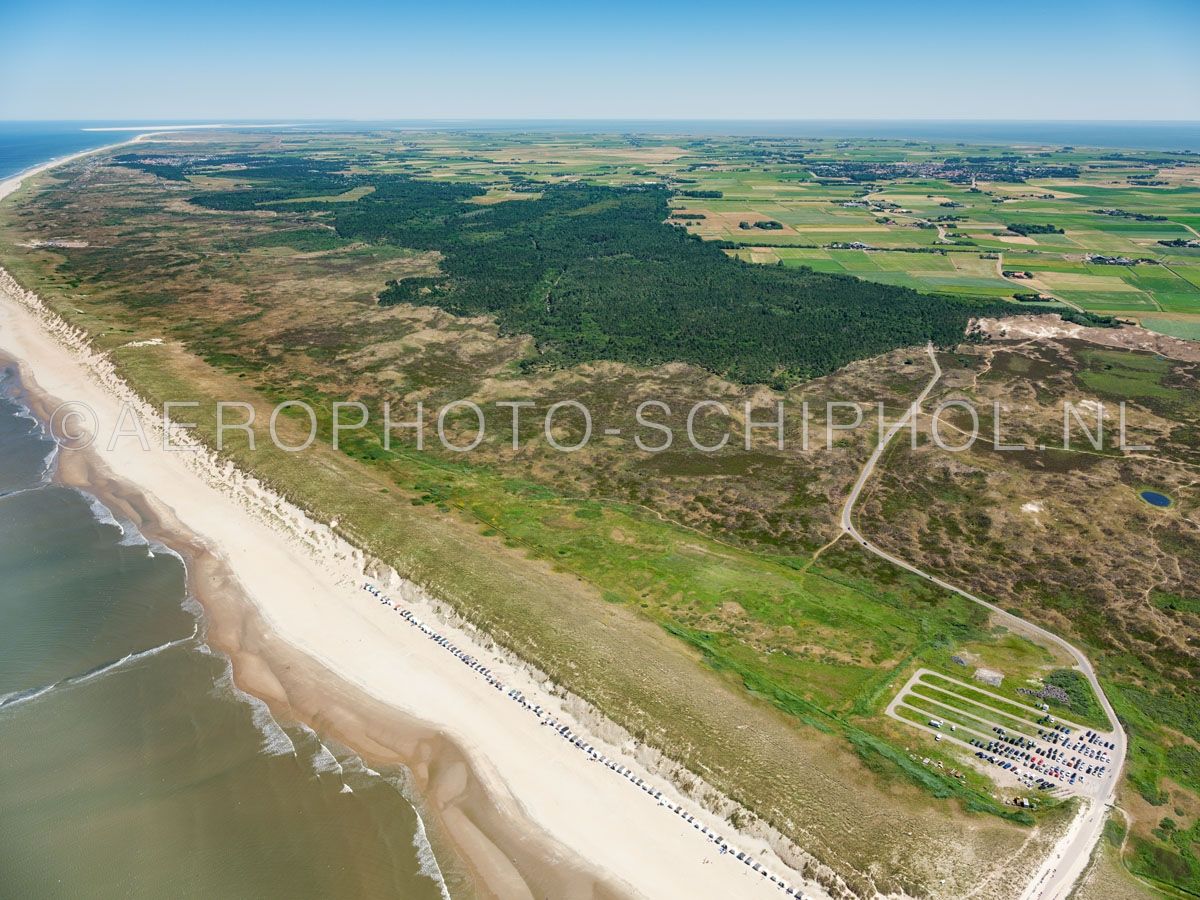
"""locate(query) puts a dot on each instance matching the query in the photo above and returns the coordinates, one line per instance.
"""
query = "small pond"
(1154, 498)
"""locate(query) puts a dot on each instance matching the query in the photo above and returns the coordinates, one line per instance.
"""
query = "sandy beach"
(529, 813)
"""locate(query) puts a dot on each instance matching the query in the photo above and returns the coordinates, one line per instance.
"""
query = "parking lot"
(1017, 744)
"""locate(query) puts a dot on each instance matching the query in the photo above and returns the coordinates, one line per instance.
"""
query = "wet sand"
(507, 858)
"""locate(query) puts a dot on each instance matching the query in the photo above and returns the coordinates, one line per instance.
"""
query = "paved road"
(1062, 868)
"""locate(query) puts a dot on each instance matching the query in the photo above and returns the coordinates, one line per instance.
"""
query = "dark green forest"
(592, 272)
(1018, 228)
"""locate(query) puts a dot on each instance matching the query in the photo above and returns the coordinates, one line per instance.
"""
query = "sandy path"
(1059, 872)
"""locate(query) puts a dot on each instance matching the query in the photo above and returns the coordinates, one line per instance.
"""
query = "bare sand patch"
(1129, 337)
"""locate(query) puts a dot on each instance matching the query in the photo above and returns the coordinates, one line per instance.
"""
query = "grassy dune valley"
(688, 581)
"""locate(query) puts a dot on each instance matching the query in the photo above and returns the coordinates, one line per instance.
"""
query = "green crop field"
(876, 196)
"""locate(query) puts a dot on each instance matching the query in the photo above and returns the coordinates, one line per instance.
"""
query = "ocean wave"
(355, 765)
(19, 697)
(157, 548)
(324, 761)
(101, 513)
(131, 536)
(133, 657)
(427, 863)
(276, 741)
(49, 463)
(426, 859)
(8, 495)
(193, 608)
(18, 410)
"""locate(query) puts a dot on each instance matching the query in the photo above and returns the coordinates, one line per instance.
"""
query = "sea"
(131, 765)
(1165, 136)
(27, 144)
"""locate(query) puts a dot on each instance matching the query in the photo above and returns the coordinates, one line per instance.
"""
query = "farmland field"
(953, 235)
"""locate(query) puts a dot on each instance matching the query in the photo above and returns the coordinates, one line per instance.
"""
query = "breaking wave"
(19, 697)
(324, 761)
(275, 740)
(426, 858)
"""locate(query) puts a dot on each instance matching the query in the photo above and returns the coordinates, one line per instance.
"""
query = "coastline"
(284, 601)
(297, 689)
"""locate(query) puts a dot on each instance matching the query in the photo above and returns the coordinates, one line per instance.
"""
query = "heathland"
(445, 266)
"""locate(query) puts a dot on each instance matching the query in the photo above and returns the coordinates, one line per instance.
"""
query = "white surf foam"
(192, 607)
(130, 658)
(21, 411)
(19, 697)
(323, 761)
(133, 657)
(157, 548)
(131, 537)
(100, 512)
(49, 464)
(275, 740)
(426, 859)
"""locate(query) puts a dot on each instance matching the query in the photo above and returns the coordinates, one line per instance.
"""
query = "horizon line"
(293, 120)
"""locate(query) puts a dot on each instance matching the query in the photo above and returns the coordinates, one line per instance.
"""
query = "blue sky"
(794, 60)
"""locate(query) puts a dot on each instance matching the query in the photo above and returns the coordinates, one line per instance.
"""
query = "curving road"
(1066, 863)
